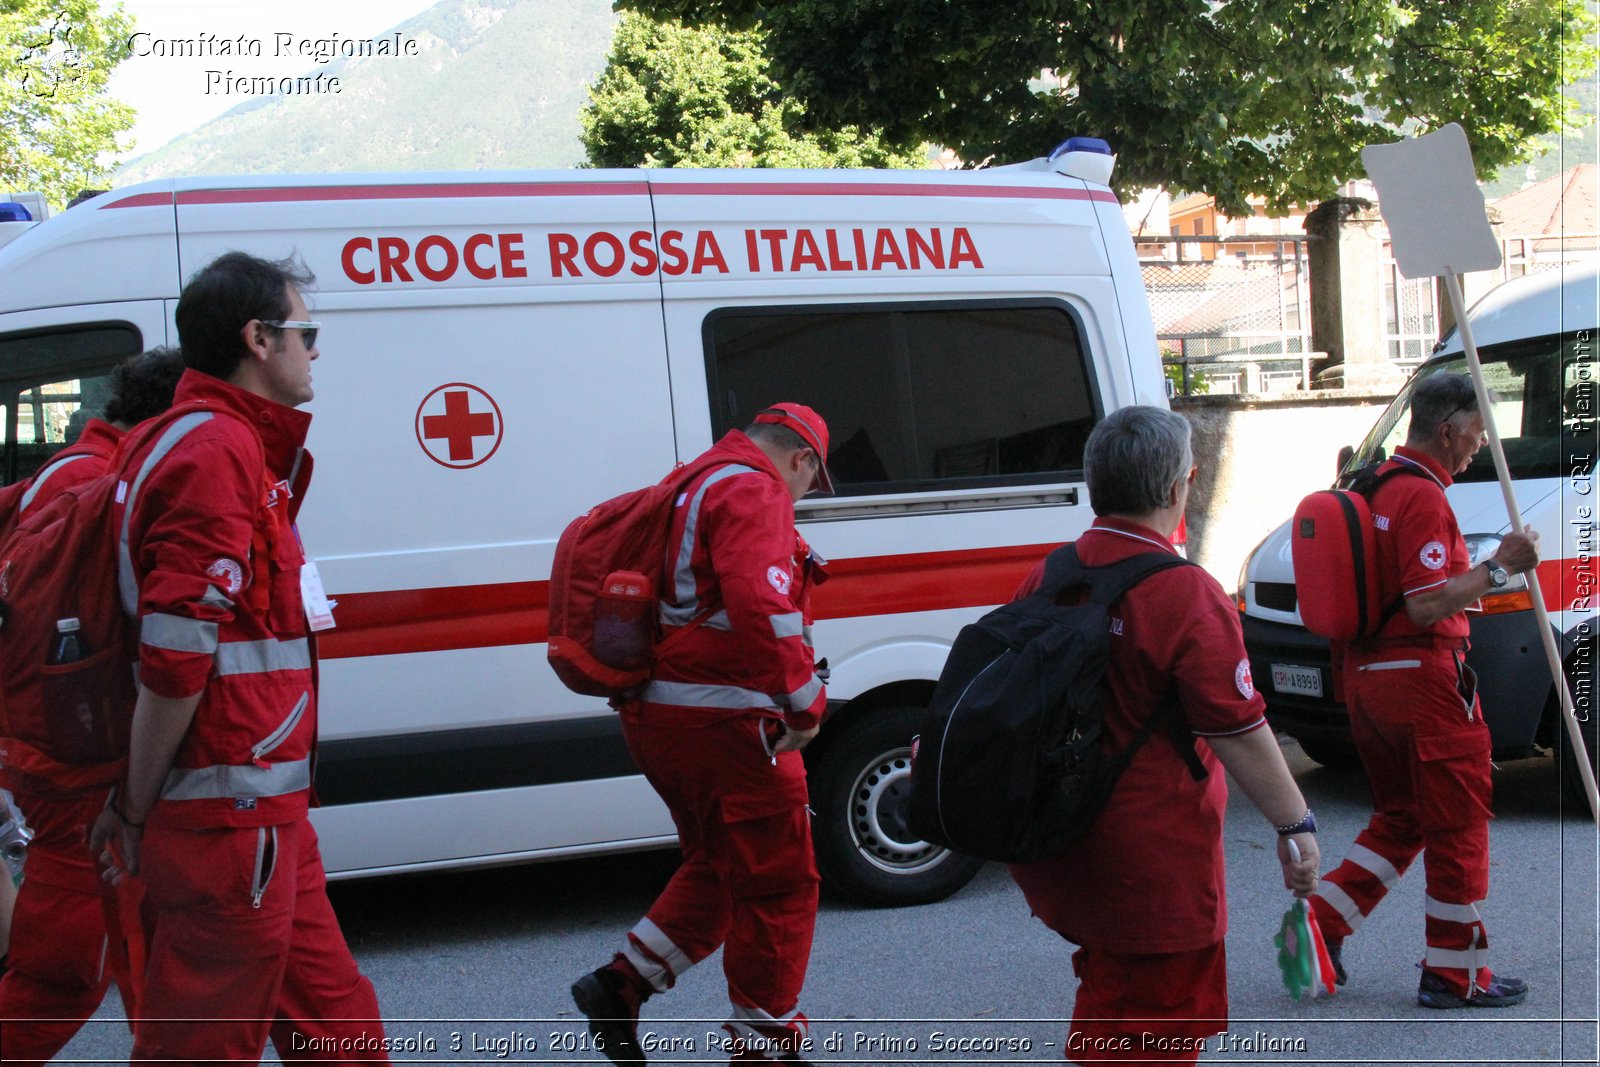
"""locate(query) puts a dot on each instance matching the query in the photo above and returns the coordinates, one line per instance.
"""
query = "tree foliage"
(673, 96)
(1235, 98)
(56, 122)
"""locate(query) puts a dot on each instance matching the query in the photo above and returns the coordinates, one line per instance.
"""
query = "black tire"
(1340, 755)
(1586, 698)
(859, 789)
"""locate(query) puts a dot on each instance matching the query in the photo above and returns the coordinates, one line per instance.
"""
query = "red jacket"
(87, 457)
(216, 558)
(734, 556)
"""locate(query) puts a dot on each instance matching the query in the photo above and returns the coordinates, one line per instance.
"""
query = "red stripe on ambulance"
(517, 613)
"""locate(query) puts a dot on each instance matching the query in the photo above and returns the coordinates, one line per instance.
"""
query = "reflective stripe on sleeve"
(210, 783)
(262, 657)
(791, 624)
(176, 633)
(801, 698)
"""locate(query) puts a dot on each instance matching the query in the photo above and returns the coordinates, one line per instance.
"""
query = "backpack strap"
(176, 423)
(43, 475)
(1107, 584)
(1365, 483)
(1062, 570)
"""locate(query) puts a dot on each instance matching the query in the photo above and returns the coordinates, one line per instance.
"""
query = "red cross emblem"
(459, 425)
(1433, 555)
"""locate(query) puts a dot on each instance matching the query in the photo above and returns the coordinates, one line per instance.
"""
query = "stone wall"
(1258, 455)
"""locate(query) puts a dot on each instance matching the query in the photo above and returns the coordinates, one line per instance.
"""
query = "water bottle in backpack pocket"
(86, 696)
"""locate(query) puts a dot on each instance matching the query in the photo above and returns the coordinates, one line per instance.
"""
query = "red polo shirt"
(1418, 542)
(1149, 877)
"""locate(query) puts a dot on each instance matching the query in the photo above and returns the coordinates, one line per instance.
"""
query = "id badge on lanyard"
(319, 609)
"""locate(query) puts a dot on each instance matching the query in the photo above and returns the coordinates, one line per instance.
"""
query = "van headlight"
(1483, 545)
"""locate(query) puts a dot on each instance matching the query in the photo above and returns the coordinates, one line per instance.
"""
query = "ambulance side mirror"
(1344, 457)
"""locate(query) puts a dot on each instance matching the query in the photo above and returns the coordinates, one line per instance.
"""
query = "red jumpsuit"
(59, 948)
(241, 932)
(1415, 719)
(700, 731)
(1152, 965)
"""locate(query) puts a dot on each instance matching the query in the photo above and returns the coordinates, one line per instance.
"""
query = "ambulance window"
(917, 397)
(1544, 406)
(51, 383)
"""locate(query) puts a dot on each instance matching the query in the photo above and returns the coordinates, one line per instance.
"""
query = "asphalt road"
(474, 966)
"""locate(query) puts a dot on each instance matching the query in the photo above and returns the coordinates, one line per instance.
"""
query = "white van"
(502, 351)
(1536, 336)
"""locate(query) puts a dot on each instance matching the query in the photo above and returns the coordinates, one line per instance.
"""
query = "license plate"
(1305, 681)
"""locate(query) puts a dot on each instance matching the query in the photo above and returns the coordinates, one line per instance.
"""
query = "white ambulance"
(1536, 336)
(503, 350)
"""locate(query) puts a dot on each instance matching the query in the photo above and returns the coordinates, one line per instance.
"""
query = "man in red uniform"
(59, 947)
(213, 815)
(1414, 712)
(718, 731)
(1143, 895)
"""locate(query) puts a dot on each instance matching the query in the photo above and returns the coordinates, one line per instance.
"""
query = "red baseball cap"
(812, 430)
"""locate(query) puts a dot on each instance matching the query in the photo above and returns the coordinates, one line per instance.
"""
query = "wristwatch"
(1497, 574)
(1306, 825)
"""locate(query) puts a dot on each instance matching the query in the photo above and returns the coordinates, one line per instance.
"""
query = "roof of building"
(1561, 204)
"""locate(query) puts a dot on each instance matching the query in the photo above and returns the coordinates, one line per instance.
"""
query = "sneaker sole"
(1447, 1001)
(610, 1033)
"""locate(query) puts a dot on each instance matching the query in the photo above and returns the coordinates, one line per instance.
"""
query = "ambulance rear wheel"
(860, 789)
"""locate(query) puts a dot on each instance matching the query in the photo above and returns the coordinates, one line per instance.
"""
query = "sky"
(170, 92)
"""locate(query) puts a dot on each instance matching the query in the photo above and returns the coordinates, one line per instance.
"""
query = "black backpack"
(1009, 764)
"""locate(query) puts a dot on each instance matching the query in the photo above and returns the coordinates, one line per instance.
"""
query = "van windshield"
(1545, 408)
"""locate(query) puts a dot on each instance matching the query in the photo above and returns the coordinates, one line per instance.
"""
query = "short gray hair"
(1437, 399)
(1132, 459)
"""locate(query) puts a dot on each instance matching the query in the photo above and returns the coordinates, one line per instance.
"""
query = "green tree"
(57, 126)
(1235, 98)
(673, 96)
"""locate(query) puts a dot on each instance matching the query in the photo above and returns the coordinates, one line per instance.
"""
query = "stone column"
(1347, 312)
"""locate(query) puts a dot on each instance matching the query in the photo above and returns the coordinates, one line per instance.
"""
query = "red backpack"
(1335, 561)
(68, 559)
(604, 584)
(16, 497)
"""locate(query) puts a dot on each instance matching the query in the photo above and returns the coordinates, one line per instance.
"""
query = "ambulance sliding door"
(489, 370)
(958, 378)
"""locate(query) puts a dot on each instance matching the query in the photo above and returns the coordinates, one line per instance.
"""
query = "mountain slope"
(497, 84)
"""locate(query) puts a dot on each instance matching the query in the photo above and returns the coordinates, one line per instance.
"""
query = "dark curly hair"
(142, 385)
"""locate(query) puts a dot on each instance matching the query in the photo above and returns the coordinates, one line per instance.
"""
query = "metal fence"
(1232, 314)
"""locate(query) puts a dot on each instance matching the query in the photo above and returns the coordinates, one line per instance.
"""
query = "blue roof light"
(11, 211)
(1081, 144)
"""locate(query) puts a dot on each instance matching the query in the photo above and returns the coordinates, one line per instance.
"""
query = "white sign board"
(1428, 194)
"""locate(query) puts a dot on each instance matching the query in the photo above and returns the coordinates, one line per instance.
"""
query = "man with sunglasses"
(1414, 711)
(212, 815)
(717, 730)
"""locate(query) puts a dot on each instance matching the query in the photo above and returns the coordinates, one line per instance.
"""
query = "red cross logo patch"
(459, 425)
(1433, 555)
